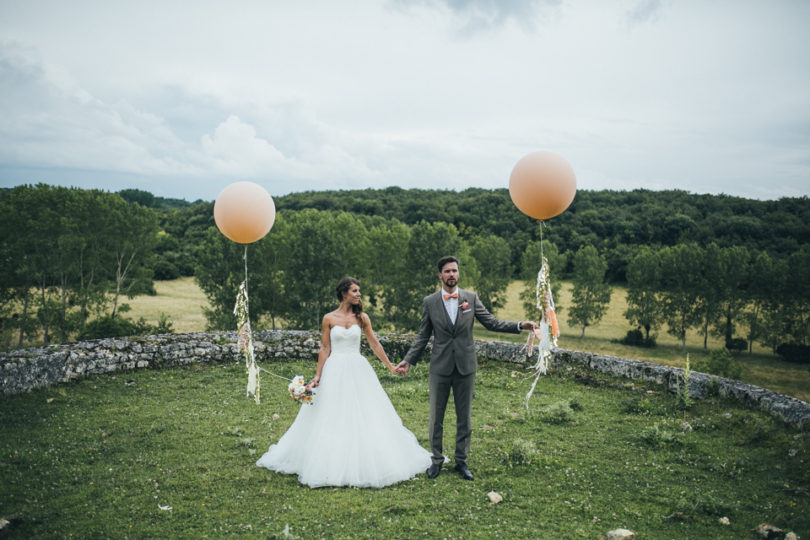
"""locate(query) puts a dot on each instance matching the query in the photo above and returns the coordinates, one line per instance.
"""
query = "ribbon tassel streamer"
(548, 330)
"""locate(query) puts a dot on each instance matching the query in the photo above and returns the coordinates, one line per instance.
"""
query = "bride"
(350, 435)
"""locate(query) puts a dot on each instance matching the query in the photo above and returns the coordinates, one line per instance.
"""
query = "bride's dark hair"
(342, 288)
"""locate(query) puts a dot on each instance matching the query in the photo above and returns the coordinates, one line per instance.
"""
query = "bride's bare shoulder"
(330, 319)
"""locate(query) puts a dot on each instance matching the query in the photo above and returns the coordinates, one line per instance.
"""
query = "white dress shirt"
(451, 305)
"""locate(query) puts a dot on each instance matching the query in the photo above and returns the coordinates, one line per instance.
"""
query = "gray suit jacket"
(453, 344)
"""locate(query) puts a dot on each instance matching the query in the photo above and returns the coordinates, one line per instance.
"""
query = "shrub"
(164, 325)
(522, 452)
(637, 405)
(635, 338)
(794, 352)
(720, 363)
(185, 264)
(558, 413)
(657, 437)
(117, 326)
(165, 270)
(736, 344)
(107, 326)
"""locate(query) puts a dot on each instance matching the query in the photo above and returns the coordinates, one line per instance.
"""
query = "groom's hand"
(528, 325)
(403, 367)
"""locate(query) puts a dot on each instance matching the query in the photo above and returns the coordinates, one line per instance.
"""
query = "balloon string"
(273, 374)
(540, 222)
(244, 256)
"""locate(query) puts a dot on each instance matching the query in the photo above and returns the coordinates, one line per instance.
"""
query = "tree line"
(721, 290)
(69, 255)
(718, 263)
(614, 222)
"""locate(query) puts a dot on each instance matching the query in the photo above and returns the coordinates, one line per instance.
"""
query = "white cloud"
(645, 11)
(472, 17)
(50, 121)
(237, 150)
(417, 93)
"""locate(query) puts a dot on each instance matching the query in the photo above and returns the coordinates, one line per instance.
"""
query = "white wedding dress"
(350, 435)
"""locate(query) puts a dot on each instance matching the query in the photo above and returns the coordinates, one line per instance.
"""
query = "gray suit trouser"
(439, 388)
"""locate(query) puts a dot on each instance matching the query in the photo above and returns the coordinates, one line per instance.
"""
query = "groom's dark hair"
(445, 260)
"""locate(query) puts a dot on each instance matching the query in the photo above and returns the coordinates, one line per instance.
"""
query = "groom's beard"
(450, 283)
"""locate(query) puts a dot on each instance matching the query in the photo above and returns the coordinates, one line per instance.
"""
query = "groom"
(448, 314)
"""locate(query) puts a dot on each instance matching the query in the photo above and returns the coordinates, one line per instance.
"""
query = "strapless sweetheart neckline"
(346, 328)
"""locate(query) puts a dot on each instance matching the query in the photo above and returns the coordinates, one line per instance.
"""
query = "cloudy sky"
(181, 98)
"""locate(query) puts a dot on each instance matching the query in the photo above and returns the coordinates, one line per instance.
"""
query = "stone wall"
(27, 369)
(788, 409)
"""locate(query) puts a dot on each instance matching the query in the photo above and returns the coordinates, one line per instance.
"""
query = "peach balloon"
(244, 212)
(542, 185)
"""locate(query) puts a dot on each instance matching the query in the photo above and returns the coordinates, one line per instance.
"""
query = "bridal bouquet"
(300, 391)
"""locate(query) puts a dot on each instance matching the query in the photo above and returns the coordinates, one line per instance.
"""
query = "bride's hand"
(315, 381)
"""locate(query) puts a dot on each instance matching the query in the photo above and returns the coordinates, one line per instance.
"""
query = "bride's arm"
(374, 343)
(324, 352)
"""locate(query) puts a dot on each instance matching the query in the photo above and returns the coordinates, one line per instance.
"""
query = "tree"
(10, 267)
(59, 249)
(39, 210)
(221, 268)
(759, 293)
(493, 260)
(591, 294)
(428, 242)
(316, 249)
(735, 263)
(796, 301)
(711, 289)
(144, 198)
(385, 265)
(771, 291)
(184, 230)
(680, 283)
(16, 272)
(643, 284)
(131, 232)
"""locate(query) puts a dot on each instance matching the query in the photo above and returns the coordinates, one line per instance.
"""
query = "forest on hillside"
(718, 263)
(612, 221)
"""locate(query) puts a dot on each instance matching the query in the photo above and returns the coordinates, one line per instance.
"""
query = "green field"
(171, 454)
(183, 301)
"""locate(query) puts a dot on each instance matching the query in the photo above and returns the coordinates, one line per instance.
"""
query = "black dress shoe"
(462, 469)
(434, 470)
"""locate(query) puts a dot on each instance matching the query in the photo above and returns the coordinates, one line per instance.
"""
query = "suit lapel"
(461, 300)
(444, 316)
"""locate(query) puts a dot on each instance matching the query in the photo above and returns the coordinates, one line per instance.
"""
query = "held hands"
(315, 381)
(402, 368)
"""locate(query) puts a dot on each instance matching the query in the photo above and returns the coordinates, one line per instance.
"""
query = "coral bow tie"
(449, 296)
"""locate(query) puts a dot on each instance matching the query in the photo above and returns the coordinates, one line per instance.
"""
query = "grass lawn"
(107, 456)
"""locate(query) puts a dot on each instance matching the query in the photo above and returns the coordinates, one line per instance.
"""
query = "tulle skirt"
(350, 435)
